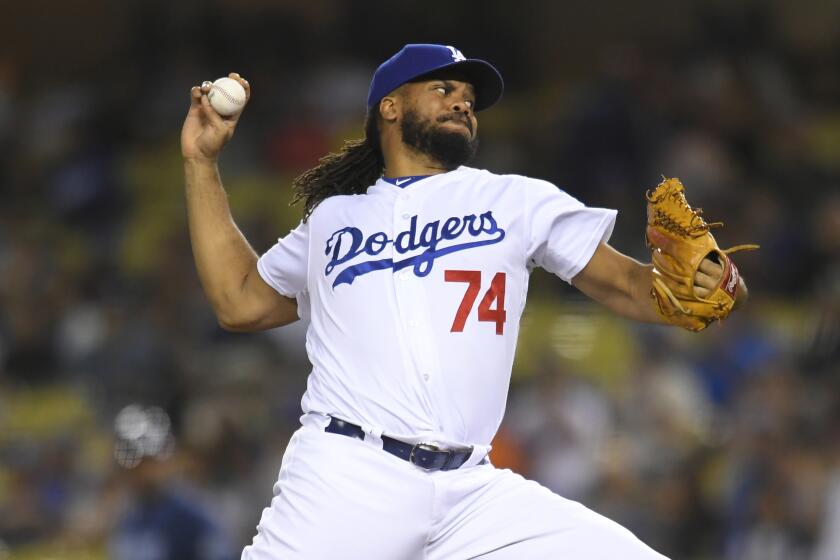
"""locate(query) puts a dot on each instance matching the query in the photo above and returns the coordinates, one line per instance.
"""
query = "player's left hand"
(707, 278)
(694, 282)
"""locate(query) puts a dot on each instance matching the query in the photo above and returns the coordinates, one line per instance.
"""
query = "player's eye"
(469, 103)
(441, 89)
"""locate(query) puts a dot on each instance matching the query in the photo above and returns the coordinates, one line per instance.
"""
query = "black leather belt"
(424, 455)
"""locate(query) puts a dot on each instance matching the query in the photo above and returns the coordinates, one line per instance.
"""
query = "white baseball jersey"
(415, 291)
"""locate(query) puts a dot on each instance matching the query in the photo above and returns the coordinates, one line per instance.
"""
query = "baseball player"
(412, 270)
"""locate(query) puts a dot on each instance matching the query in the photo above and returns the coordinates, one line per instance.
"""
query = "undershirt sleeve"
(564, 233)
(284, 266)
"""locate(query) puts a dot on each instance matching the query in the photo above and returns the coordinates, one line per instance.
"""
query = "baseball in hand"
(227, 96)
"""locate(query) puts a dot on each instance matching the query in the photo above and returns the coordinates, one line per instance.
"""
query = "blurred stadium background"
(722, 445)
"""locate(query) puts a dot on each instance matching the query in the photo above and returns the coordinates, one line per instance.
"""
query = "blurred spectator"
(160, 518)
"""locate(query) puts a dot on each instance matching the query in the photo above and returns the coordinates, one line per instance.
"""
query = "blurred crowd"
(132, 425)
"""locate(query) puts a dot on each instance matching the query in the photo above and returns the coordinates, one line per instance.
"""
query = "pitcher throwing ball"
(412, 270)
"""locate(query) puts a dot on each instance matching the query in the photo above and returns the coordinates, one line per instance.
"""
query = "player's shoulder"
(509, 180)
(336, 203)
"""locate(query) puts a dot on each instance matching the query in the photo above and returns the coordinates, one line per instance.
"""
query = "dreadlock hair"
(356, 166)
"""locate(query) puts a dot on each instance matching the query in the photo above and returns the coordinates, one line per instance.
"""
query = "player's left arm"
(623, 284)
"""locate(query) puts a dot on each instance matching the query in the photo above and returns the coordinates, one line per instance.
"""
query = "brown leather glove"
(679, 239)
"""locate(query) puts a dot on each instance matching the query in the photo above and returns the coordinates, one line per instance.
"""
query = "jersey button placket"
(414, 334)
(402, 280)
(420, 337)
(409, 292)
(420, 322)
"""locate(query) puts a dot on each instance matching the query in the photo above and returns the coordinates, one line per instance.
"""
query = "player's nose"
(462, 106)
(462, 100)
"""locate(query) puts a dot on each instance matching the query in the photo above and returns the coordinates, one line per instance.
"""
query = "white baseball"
(227, 96)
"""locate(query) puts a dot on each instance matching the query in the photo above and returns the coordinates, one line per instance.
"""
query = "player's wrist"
(742, 294)
(200, 160)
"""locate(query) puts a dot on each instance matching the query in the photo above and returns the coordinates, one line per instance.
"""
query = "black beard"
(450, 149)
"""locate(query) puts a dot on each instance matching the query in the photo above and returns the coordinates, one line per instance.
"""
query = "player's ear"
(390, 107)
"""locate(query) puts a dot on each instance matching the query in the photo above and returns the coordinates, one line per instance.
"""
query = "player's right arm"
(226, 263)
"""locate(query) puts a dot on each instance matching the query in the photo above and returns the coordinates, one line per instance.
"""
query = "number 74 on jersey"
(491, 308)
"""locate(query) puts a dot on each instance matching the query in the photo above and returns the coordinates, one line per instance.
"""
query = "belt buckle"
(428, 447)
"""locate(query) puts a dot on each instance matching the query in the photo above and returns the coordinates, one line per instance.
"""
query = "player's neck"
(404, 163)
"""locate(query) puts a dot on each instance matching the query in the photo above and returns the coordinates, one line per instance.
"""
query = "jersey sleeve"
(564, 233)
(284, 266)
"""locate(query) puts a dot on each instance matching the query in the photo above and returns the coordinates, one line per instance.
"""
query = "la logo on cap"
(457, 56)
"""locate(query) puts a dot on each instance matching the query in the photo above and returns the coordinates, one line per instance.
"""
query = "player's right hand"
(205, 132)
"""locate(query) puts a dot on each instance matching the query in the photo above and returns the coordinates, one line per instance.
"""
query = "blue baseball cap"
(417, 60)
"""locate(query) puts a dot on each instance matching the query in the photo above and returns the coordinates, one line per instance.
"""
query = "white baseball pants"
(340, 497)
